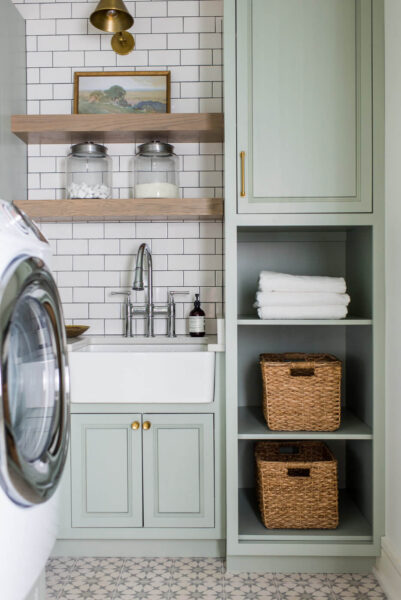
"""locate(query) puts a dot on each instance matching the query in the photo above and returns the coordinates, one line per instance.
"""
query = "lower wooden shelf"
(252, 426)
(123, 209)
(353, 525)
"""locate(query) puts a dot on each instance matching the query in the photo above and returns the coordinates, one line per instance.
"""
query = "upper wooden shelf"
(66, 129)
(133, 208)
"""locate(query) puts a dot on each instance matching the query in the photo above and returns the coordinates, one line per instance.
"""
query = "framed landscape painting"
(122, 92)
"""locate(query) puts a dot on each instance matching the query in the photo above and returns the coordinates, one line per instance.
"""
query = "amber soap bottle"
(197, 319)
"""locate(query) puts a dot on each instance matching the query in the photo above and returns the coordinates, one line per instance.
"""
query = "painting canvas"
(122, 92)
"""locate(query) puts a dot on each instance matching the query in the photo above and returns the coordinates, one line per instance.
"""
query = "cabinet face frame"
(127, 467)
(158, 480)
(362, 201)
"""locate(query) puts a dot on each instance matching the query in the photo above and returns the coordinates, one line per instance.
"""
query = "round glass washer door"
(34, 418)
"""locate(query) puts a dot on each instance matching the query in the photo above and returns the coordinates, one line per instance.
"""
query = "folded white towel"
(300, 299)
(270, 281)
(303, 312)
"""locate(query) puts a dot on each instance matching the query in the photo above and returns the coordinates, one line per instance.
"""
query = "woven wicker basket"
(301, 392)
(297, 485)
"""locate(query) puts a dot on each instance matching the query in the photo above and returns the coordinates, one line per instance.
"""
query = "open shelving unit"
(69, 129)
(340, 247)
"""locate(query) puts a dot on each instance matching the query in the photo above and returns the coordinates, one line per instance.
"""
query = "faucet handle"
(122, 293)
(173, 293)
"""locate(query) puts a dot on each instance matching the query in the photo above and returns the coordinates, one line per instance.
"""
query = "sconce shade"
(111, 16)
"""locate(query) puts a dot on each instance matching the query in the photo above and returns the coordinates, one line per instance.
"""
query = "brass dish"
(75, 330)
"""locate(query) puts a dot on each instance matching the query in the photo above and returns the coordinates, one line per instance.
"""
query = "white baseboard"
(388, 570)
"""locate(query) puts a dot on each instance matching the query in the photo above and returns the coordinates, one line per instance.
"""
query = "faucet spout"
(138, 284)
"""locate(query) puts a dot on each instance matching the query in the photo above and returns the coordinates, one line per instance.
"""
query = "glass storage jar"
(156, 171)
(88, 171)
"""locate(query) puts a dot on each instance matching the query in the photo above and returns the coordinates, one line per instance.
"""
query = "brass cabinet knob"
(146, 425)
(135, 425)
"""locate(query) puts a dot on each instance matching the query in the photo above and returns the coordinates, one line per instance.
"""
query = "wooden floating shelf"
(134, 208)
(252, 426)
(66, 129)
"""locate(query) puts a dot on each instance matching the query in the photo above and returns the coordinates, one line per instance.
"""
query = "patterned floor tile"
(188, 589)
(194, 579)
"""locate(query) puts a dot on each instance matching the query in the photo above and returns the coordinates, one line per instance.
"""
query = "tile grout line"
(118, 580)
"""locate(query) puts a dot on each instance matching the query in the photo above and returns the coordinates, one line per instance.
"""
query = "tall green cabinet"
(304, 153)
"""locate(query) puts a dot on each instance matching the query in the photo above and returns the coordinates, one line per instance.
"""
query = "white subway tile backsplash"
(164, 57)
(72, 278)
(200, 24)
(61, 10)
(183, 40)
(104, 279)
(72, 26)
(88, 263)
(119, 230)
(104, 246)
(40, 26)
(72, 246)
(96, 258)
(53, 43)
(88, 230)
(167, 246)
(183, 230)
(185, 9)
(199, 246)
(104, 311)
(88, 294)
(149, 230)
(183, 262)
(167, 25)
(206, 278)
(151, 9)
(39, 59)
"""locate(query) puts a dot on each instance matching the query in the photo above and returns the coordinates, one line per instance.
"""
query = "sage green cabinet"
(178, 474)
(304, 106)
(135, 470)
(106, 467)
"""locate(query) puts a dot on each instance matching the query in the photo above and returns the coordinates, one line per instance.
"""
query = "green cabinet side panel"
(178, 471)
(304, 88)
(106, 464)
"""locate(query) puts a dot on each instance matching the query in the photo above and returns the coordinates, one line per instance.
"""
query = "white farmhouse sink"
(143, 374)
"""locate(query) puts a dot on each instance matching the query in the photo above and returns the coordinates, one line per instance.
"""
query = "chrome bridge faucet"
(148, 310)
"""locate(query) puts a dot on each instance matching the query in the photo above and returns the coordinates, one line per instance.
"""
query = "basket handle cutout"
(288, 450)
(302, 372)
(298, 472)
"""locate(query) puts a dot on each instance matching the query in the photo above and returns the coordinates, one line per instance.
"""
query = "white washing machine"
(34, 403)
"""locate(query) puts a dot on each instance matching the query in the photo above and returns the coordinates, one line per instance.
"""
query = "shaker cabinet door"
(304, 105)
(178, 470)
(106, 470)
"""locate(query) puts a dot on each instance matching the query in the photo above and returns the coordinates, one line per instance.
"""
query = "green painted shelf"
(252, 320)
(353, 525)
(252, 426)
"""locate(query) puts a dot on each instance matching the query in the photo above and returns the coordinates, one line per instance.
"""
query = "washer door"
(34, 401)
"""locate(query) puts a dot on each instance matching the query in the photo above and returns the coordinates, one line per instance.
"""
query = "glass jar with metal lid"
(156, 171)
(88, 171)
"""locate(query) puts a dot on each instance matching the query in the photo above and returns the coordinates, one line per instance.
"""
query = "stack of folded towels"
(282, 296)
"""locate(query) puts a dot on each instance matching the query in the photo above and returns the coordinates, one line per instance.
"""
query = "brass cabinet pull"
(242, 155)
(146, 425)
(135, 425)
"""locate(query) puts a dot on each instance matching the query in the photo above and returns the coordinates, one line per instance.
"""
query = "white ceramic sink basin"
(142, 374)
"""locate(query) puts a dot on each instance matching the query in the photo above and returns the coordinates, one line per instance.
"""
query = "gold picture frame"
(151, 94)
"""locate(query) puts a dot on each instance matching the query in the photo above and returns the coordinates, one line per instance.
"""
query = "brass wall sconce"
(112, 16)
